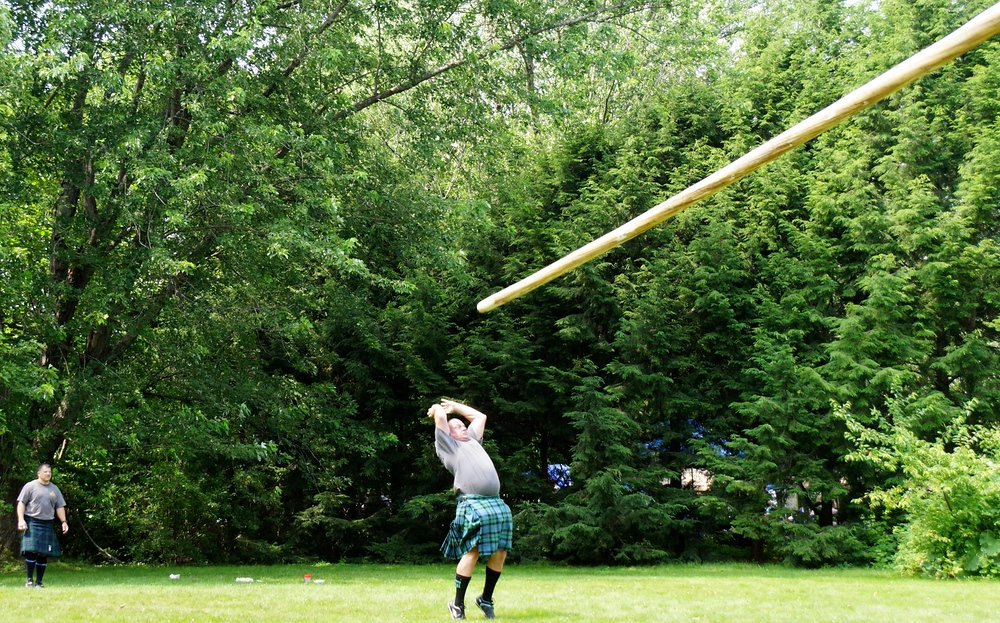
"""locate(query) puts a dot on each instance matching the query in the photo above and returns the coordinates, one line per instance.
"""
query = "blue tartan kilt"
(480, 521)
(40, 538)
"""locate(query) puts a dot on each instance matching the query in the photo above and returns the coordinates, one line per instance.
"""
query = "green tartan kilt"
(40, 538)
(480, 521)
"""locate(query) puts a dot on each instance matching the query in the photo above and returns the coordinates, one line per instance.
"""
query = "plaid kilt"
(483, 521)
(40, 537)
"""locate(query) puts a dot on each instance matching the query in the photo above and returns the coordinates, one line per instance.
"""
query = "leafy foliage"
(946, 488)
(242, 244)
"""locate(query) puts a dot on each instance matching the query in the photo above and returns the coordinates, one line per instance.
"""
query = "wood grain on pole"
(979, 29)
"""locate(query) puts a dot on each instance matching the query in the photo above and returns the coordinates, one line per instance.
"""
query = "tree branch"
(158, 302)
(625, 7)
(304, 52)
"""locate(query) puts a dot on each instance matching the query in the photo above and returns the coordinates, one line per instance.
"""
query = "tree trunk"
(9, 538)
(826, 513)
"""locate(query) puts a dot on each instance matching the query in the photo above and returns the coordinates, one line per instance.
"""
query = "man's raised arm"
(476, 418)
(437, 413)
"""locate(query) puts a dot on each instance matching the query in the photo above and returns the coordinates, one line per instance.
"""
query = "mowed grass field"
(688, 593)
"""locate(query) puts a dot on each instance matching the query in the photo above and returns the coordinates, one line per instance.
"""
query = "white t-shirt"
(468, 461)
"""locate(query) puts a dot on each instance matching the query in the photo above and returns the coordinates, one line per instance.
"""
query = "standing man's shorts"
(480, 521)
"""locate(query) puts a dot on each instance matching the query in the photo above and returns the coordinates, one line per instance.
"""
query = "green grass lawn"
(689, 593)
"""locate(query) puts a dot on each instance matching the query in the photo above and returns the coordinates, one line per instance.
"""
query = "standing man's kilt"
(40, 538)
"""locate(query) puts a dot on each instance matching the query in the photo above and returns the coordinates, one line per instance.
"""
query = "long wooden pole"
(979, 29)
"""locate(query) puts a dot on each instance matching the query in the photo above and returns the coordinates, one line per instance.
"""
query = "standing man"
(38, 505)
(483, 524)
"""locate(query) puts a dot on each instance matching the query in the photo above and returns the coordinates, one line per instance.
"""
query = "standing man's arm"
(21, 524)
(476, 419)
(61, 513)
